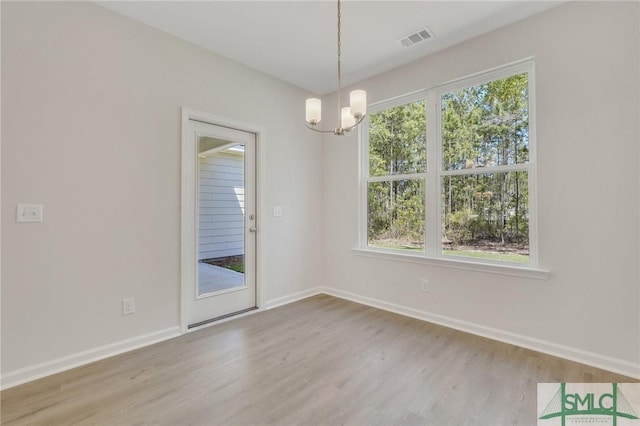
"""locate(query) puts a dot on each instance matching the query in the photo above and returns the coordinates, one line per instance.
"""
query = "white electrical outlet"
(128, 306)
(424, 285)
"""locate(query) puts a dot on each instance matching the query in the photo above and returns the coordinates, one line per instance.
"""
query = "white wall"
(587, 68)
(220, 205)
(91, 129)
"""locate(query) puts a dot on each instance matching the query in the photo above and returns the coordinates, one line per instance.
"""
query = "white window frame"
(433, 253)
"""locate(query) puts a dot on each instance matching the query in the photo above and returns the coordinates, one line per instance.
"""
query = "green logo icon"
(565, 404)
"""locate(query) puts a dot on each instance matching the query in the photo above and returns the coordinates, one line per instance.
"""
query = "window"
(449, 172)
(395, 187)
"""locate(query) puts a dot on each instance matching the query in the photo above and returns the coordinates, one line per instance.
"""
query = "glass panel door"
(220, 207)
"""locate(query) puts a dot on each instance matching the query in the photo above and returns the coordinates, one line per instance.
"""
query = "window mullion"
(432, 186)
(363, 209)
(391, 178)
(532, 169)
(522, 167)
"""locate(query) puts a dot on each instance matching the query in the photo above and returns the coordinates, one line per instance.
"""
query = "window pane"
(396, 214)
(486, 125)
(397, 140)
(486, 216)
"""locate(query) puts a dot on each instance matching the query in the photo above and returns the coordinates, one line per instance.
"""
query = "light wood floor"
(321, 361)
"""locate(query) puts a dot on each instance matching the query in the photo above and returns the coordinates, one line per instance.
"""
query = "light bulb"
(347, 119)
(358, 100)
(313, 111)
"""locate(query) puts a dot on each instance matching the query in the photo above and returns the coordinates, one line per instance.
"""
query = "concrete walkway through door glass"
(214, 278)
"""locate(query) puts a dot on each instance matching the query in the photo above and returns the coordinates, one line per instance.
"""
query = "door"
(220, 191)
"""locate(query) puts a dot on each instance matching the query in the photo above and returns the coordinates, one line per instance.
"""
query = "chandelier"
(349, 117)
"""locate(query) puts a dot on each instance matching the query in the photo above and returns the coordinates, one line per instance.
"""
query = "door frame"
(188, 233)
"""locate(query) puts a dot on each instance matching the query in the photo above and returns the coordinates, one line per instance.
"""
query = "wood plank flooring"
(319, 361)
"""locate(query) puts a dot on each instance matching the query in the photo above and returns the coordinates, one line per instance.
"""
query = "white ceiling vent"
(416, 37)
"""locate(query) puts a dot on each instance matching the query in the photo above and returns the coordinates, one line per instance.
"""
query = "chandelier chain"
(339, 55)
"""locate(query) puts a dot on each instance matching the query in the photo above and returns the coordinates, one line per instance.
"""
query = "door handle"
(253, 229)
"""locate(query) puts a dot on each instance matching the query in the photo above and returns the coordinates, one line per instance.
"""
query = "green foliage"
(461, 226)
(239, 267)
(486, 126)
(397, 145)
(396, 212)
(397, 140)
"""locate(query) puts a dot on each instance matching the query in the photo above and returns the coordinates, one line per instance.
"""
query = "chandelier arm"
(358, 121)
(319, 130)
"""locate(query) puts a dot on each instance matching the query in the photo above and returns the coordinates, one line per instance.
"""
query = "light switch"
(29, 213)
(277, 211)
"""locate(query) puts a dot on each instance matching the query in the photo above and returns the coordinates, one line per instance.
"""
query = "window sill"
(490, 268)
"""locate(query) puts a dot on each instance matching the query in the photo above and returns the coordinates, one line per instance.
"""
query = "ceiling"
(296, 40)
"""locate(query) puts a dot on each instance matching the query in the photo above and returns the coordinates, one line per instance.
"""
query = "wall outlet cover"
(128, 306)
(32, 213)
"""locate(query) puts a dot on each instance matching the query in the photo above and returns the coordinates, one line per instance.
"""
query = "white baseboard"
(27, 374)
(23, 375)
(293, 297)
(604, 362)
(17, 377)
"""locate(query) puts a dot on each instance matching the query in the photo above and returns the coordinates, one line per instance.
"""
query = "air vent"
(416, 37)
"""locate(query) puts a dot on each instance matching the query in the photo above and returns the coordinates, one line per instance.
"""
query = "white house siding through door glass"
(221, 209)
